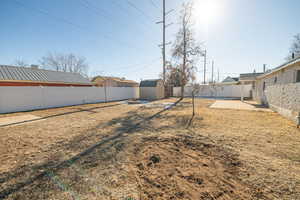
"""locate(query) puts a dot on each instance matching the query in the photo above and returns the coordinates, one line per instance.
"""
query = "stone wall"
(284, 99)
(284, 76)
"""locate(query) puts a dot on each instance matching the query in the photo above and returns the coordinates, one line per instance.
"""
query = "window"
(298, 76)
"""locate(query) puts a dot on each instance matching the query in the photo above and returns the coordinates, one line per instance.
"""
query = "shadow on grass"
(129, 124)
(78, 110)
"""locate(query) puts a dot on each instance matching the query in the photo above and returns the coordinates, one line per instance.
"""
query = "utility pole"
(205, 55)
(212, 72)
(164, 41)
(219, 75)
(163, 45)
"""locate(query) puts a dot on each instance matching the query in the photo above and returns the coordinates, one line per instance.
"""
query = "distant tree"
(185, 47)
(295, 47)
(20, 63)
(65, 63)
(173, 75)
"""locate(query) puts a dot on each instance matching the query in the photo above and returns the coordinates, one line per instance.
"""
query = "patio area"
(239, 105)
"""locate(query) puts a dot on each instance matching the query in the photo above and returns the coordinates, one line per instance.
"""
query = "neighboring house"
(249, 78)
(230, 80)
(32, 76)
(104, 81)
(152, 89)
(280, 89)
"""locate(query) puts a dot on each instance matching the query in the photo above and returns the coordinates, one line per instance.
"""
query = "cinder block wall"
(284, 99)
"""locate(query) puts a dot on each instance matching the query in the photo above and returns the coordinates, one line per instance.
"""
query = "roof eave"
(286, 65)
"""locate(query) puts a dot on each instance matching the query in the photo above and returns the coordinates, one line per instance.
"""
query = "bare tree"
(65, 63)
(195, 90)
(185, 47)
(295, 47)
(20, 63)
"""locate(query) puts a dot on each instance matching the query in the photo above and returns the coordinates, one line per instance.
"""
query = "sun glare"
(207, 11)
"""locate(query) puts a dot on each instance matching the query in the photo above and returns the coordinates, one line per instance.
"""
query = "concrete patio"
(239, 105)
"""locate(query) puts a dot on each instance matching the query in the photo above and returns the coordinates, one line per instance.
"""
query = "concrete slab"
(239, 105)
(15, 120)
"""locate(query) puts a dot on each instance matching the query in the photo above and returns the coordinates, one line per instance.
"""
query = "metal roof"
(12, 73)
(286, 64)
(149, 83)
(249, 76)
(230, 79)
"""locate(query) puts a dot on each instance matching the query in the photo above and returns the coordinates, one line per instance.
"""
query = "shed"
(152, 89)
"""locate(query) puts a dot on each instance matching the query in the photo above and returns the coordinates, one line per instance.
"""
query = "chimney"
(265, 68)
(293, 56)
(34, 66)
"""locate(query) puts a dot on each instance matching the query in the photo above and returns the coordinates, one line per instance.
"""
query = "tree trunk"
(193, 100)
(182, 91)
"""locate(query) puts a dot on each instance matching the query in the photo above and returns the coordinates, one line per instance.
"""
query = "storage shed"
(152, 89)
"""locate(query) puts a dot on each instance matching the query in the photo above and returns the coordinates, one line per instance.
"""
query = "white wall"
(149, 93)
(14, 99)
(230, 91)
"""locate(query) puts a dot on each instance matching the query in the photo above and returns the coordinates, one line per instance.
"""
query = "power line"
(63, 20)
(138, 65)
(143, 22)
(146, 66)
(97, 11)
(139, 10)
(154, 4)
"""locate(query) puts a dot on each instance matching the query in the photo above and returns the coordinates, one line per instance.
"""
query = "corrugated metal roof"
(249, 76)
(12, 73)
(286, 64)
(149, 83)
(230, 79)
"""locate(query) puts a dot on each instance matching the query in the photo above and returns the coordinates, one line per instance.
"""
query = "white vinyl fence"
(226, 91)
(15, 99)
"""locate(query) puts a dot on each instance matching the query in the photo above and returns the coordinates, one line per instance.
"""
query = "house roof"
(249, 76)
(102, 78)
(149, 83)
(230, 79)
(12, 73)
(283, 66)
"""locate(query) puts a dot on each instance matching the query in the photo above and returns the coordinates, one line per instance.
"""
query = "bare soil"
(132, 152)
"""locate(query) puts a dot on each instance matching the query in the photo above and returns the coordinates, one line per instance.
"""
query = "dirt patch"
(223, 154)
(187, 167)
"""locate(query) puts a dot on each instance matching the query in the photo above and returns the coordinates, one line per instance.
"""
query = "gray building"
(152, 89)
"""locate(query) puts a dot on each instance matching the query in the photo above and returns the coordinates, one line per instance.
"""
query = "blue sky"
(120, 40)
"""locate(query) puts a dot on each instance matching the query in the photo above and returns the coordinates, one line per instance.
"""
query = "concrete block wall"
(284, 99)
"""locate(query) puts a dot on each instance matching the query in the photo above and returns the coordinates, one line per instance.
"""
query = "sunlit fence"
(227, 91)
(14, 99)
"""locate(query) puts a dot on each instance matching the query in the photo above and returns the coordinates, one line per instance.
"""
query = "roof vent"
(34, 66)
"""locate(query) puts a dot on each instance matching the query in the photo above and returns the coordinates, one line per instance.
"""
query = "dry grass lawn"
(135, 152)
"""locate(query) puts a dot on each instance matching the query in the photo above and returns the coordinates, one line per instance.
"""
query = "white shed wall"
(149, 93)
